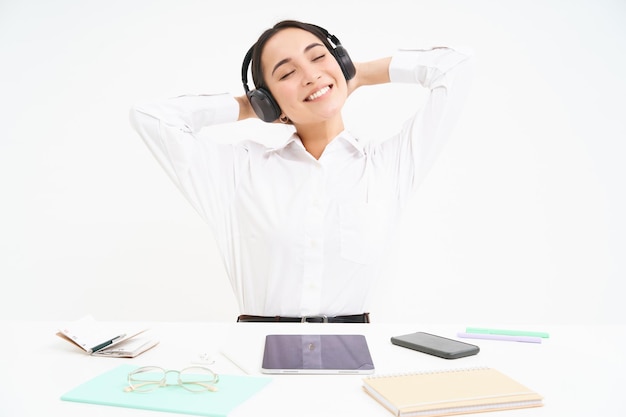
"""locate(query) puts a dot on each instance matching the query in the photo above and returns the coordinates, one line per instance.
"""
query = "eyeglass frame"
(136, 385)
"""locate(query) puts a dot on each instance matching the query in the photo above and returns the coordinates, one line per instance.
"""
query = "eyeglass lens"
(194, 379)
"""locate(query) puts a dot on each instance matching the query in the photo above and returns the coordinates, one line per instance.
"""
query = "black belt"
(354, 318)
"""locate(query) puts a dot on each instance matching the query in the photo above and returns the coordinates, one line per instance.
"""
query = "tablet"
(316, 354)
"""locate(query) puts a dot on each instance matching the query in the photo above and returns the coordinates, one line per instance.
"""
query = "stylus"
(527, 339)
(507, 332)
(238, 365)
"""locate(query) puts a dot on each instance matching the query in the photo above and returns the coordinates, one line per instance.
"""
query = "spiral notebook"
(448, 392)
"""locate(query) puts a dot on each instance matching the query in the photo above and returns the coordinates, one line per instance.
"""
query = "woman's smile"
(319, 93)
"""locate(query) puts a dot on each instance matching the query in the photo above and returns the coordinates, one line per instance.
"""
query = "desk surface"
(580, 370)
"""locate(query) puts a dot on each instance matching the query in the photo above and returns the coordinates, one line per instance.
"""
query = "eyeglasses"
(194, 379)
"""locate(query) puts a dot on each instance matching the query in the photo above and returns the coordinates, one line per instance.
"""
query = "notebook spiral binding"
(428, 372)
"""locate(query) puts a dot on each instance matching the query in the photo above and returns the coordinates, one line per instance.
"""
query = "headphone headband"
(264, 105)
(244, 68)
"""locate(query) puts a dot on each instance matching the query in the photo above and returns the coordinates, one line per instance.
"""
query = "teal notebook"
(108, 389)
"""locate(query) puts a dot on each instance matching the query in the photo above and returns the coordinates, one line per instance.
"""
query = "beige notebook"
(449, 392)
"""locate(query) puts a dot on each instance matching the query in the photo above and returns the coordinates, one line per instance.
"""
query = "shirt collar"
(345, 137)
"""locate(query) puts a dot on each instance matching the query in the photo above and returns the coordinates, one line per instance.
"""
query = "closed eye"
(287, 75)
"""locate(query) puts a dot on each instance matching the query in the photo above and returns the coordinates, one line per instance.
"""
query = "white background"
(520, 221)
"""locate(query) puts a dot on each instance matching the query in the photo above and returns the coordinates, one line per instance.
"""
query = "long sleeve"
(446, 73)
(201, 168)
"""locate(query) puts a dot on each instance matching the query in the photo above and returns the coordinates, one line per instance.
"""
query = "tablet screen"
(317, 354)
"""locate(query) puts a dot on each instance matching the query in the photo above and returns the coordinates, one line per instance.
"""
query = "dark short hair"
(257, 70)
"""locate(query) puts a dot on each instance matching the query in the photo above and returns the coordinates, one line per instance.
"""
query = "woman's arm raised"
(370, 73)
(245, 108)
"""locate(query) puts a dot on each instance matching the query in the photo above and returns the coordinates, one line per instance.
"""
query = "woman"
(303, 227)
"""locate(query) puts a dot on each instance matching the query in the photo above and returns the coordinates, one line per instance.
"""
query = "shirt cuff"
(223, 107)
(406, 63)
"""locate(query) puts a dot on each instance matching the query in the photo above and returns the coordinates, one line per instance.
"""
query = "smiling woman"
(308, 83)
(303, 228)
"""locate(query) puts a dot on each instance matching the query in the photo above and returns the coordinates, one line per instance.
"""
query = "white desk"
(581, 371)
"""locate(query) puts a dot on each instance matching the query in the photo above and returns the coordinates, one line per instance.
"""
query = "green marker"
(507, 332)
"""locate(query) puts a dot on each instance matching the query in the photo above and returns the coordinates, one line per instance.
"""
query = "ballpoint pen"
(105, 344)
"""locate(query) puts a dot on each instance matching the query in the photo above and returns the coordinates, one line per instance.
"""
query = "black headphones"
(261, 99)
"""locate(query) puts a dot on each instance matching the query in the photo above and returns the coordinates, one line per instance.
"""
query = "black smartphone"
(435, 345)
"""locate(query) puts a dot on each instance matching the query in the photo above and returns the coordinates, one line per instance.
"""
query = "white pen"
(107, 343)
(236, 363)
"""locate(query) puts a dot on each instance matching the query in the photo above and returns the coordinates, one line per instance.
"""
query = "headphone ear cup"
(264, 105)
(345, 63)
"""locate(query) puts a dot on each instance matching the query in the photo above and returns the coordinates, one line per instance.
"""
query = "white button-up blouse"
(301, 236)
